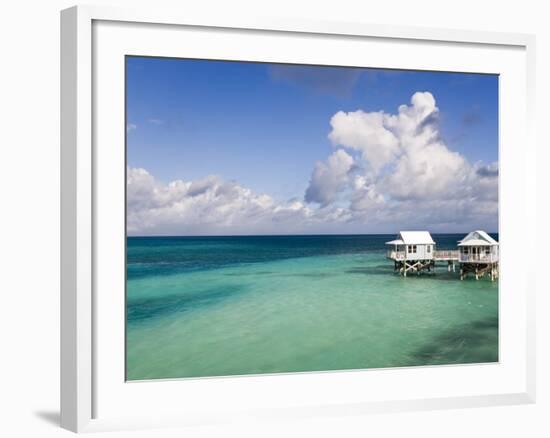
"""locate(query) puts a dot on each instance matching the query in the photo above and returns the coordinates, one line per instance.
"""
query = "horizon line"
(288, 235)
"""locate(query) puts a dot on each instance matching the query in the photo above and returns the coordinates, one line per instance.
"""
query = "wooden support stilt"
(416, 266)
(479, 270)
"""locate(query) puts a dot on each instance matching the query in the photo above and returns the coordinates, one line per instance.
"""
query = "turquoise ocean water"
(217, 306)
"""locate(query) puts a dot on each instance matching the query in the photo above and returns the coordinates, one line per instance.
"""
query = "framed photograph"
(275, 219)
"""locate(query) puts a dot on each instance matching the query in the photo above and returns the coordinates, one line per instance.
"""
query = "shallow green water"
(339, 310)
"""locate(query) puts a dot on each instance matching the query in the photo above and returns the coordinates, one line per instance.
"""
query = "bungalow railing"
(396, 255)
(449, 255)
(483, 258)
(446, 254)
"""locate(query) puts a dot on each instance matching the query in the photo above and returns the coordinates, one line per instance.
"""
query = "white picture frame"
(86, 379)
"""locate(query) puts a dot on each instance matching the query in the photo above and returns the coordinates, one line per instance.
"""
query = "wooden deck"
(478, 258)
(443, 256)
(446, 255)
(396, 255)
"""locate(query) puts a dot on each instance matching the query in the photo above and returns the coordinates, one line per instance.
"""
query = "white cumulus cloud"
(207, 206)
(329, 178)
(389, 171)
(366, 133)
(404, 172)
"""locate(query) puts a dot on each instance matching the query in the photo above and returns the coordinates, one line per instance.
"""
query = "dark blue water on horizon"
(165, 255)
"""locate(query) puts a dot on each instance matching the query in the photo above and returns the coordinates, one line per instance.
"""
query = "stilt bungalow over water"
(478, 255)
(415, 251)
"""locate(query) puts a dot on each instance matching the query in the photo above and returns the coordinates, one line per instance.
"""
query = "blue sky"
(266, 126)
